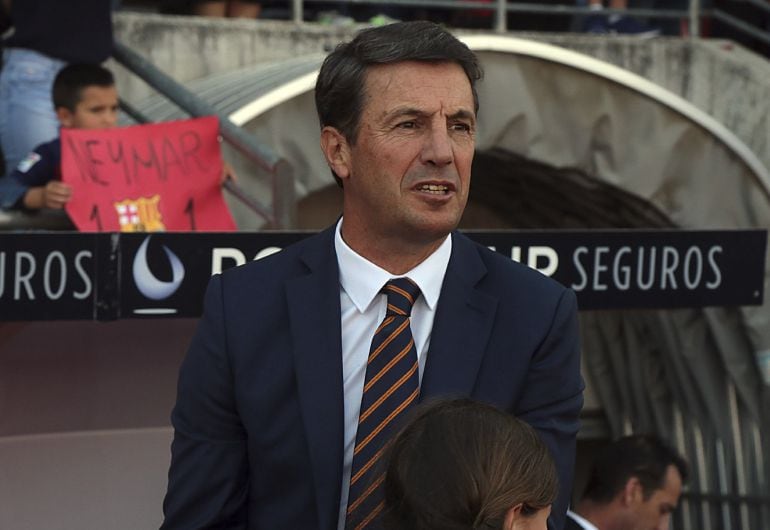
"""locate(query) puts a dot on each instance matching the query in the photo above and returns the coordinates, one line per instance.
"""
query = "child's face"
(97, 109)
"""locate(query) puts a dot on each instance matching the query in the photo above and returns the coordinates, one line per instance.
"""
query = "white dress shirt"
(363, 308)
(587, 525)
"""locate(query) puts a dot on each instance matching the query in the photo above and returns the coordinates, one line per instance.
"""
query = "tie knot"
(402, 292)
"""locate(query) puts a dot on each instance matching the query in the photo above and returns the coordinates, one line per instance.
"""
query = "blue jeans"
(27, 116)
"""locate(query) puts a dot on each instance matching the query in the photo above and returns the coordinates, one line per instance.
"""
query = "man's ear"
(64, 116)
(336, 150)
(632, 492)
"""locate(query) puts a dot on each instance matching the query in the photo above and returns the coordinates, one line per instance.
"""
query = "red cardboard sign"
(146, 178)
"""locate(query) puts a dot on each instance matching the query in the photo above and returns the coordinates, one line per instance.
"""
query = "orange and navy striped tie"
(391, 386)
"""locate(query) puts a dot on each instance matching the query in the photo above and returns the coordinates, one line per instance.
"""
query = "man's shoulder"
(505, 272)
(291, 260)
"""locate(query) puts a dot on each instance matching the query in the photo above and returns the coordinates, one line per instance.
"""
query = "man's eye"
(464, 127)
(407, 125)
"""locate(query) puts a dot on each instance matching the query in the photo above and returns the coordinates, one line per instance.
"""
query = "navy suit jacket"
(259, 415)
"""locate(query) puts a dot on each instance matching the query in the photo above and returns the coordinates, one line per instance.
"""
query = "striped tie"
(391, 386)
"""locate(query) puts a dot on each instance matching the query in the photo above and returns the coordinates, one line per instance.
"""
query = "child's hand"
(53, 195)
(228, 173)
(56, 194)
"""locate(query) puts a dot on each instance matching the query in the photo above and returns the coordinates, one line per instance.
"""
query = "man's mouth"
(434, 189)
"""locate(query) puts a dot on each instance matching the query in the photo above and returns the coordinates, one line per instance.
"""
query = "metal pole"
(501, 21)
(740, 460)
(695, 18)
(246, 199)
(702, 475)
(132, 112)
(681, 445)
(284, 205)
(297, 11)
(722, 481)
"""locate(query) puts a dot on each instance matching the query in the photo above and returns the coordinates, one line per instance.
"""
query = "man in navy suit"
(269, 394)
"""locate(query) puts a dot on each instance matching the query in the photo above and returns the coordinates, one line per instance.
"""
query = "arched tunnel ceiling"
(540, 101)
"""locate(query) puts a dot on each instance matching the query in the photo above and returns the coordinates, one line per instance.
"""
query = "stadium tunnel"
(569, 142)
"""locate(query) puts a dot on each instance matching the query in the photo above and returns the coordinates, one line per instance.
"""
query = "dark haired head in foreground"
(464, 465)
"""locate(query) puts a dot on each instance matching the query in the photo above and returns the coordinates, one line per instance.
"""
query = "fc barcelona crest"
(140, 215)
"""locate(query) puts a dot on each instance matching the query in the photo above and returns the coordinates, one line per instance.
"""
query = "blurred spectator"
(5, 15)
(229, 8)
(85, 97)
(523, 21)
(635, 483)
(47, 34)
(616, 23)
(213, 8)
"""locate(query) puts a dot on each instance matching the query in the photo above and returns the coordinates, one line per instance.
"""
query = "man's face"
(97, 109)
(654, 513)
(406, 179)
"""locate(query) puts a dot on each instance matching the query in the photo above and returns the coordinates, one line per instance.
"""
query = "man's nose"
(438, 147)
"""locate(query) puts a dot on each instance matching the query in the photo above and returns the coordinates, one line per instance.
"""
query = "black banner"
(60, 276)
(49, 277)
(645, 269)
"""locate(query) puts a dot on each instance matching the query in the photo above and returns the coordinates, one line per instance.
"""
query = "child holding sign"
(85, 97)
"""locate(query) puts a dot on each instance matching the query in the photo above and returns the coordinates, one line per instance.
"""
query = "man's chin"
(430, 230)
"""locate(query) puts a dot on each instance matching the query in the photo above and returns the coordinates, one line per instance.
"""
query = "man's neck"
(397, 255)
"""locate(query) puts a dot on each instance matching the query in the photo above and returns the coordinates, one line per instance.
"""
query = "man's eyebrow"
(404, 111)
(461, 114)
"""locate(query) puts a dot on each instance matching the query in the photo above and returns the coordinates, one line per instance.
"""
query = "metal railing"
(693, 13)
(723, 511)
(502, 7)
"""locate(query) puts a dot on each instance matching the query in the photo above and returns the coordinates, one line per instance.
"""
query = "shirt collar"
(362, 280)
(582, 521)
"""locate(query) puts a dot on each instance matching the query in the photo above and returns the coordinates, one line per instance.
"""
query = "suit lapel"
(314, 315)
(462, 325)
